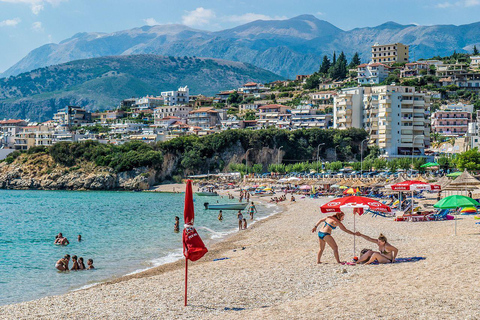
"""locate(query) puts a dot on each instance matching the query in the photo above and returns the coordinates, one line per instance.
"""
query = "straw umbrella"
(464, 182)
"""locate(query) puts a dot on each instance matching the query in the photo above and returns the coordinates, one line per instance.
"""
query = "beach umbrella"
(358, 204)
(350, 191)
(429, 165)
(412, 185)
(342, 187)
(456, 201)
(193, 247)
(305, 187)
(469, 210)
(454, 174)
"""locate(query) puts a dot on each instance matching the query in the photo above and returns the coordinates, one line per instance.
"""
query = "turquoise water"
(122, 232)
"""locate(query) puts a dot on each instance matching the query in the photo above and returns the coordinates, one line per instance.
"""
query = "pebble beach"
(271, 273)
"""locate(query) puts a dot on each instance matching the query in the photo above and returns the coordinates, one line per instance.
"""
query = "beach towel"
(398, 260)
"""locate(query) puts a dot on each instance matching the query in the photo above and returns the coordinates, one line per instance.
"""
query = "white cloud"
(319, 13)
(198, 17)
(10, 22)
(151, 22)
(249, 17)
(461, 3)
(37, 26)
(35, 5)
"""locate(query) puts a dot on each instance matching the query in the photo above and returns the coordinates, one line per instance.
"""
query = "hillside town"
(407, 108)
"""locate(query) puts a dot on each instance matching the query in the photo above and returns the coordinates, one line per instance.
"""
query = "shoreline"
(276, 276)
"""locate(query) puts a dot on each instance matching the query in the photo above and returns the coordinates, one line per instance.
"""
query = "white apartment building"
(323, 98)
(179, 111)
(304, 117)
(180, 96)
(373, 73)
(274, 115)
(475, 62)
(252, 87)
(390, 53)
(148, 102)
(396, 117)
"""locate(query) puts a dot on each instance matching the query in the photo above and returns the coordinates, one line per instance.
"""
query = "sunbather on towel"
(386, 254)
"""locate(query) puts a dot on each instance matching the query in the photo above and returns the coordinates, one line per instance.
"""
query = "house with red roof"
(372, 73)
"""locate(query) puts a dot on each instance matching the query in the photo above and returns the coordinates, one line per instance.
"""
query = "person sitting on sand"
(240, 219)
(62, 264)
(176, 227)
(292, 199)
(220, 216)
(75, 263)
(244, 223)
(325, 234)
(81, 265)
(90, 264)
(387, 253)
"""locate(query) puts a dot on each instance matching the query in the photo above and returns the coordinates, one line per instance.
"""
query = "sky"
(28, 24)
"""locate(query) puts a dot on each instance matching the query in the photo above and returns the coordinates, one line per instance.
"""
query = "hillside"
(285, 47)
(102, 82)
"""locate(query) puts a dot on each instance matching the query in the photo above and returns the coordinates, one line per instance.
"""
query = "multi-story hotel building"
(396, 117)
(389, 53)
(452, 120)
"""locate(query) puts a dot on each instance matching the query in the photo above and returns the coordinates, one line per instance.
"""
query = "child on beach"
(81, 265)
(220, 216)
(62, 264)
(240, 219)
(90, 264)
(75, 263)
(244, 223)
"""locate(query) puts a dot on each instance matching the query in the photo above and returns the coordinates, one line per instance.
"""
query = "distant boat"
(226, 206)
(206, 194)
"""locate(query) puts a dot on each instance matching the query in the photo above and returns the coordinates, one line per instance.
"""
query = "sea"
(123, 232)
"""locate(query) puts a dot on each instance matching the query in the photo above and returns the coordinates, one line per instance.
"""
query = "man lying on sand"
(386, 254)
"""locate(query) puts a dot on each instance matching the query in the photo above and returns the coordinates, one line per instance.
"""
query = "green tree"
(325, 66)
(355, 61)
(234, 97)
(475, 50)
(312, 82)
(469, 160)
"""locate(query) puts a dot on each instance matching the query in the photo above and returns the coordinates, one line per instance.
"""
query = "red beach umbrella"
(193, 247)
(413, 185)
(355, 202)
(358, 204)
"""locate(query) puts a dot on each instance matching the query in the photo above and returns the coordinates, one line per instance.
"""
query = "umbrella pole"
(411, 217)
(186, 279)
(455, 218)
(354, 236)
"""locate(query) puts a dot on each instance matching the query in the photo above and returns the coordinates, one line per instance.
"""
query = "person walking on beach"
(62, 264)
(252, 210)
(325, 234)
(244, 224)
(240, 219)
(220, 216)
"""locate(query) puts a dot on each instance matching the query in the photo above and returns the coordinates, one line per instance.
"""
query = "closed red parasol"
(355, 202)
(193, 247)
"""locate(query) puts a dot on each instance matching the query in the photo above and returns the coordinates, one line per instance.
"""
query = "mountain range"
(285, 47)
(101, 83)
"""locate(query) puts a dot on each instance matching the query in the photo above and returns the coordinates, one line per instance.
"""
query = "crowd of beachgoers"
(77, 262)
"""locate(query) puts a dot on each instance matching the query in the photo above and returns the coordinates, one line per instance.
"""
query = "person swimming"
(79, 238)
(62, 264)
(81, 265)
(330, 223)
(75, 263)
(176, 227)
(90, 264)
(220, 216)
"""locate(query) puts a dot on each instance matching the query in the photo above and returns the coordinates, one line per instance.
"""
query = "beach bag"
(193, 247)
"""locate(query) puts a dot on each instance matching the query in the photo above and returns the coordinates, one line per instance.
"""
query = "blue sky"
(27, 24)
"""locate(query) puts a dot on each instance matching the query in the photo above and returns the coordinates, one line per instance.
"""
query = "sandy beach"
(276, 276)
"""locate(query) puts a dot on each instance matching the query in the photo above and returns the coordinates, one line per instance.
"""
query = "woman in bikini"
(325, 234)
(387, 253)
